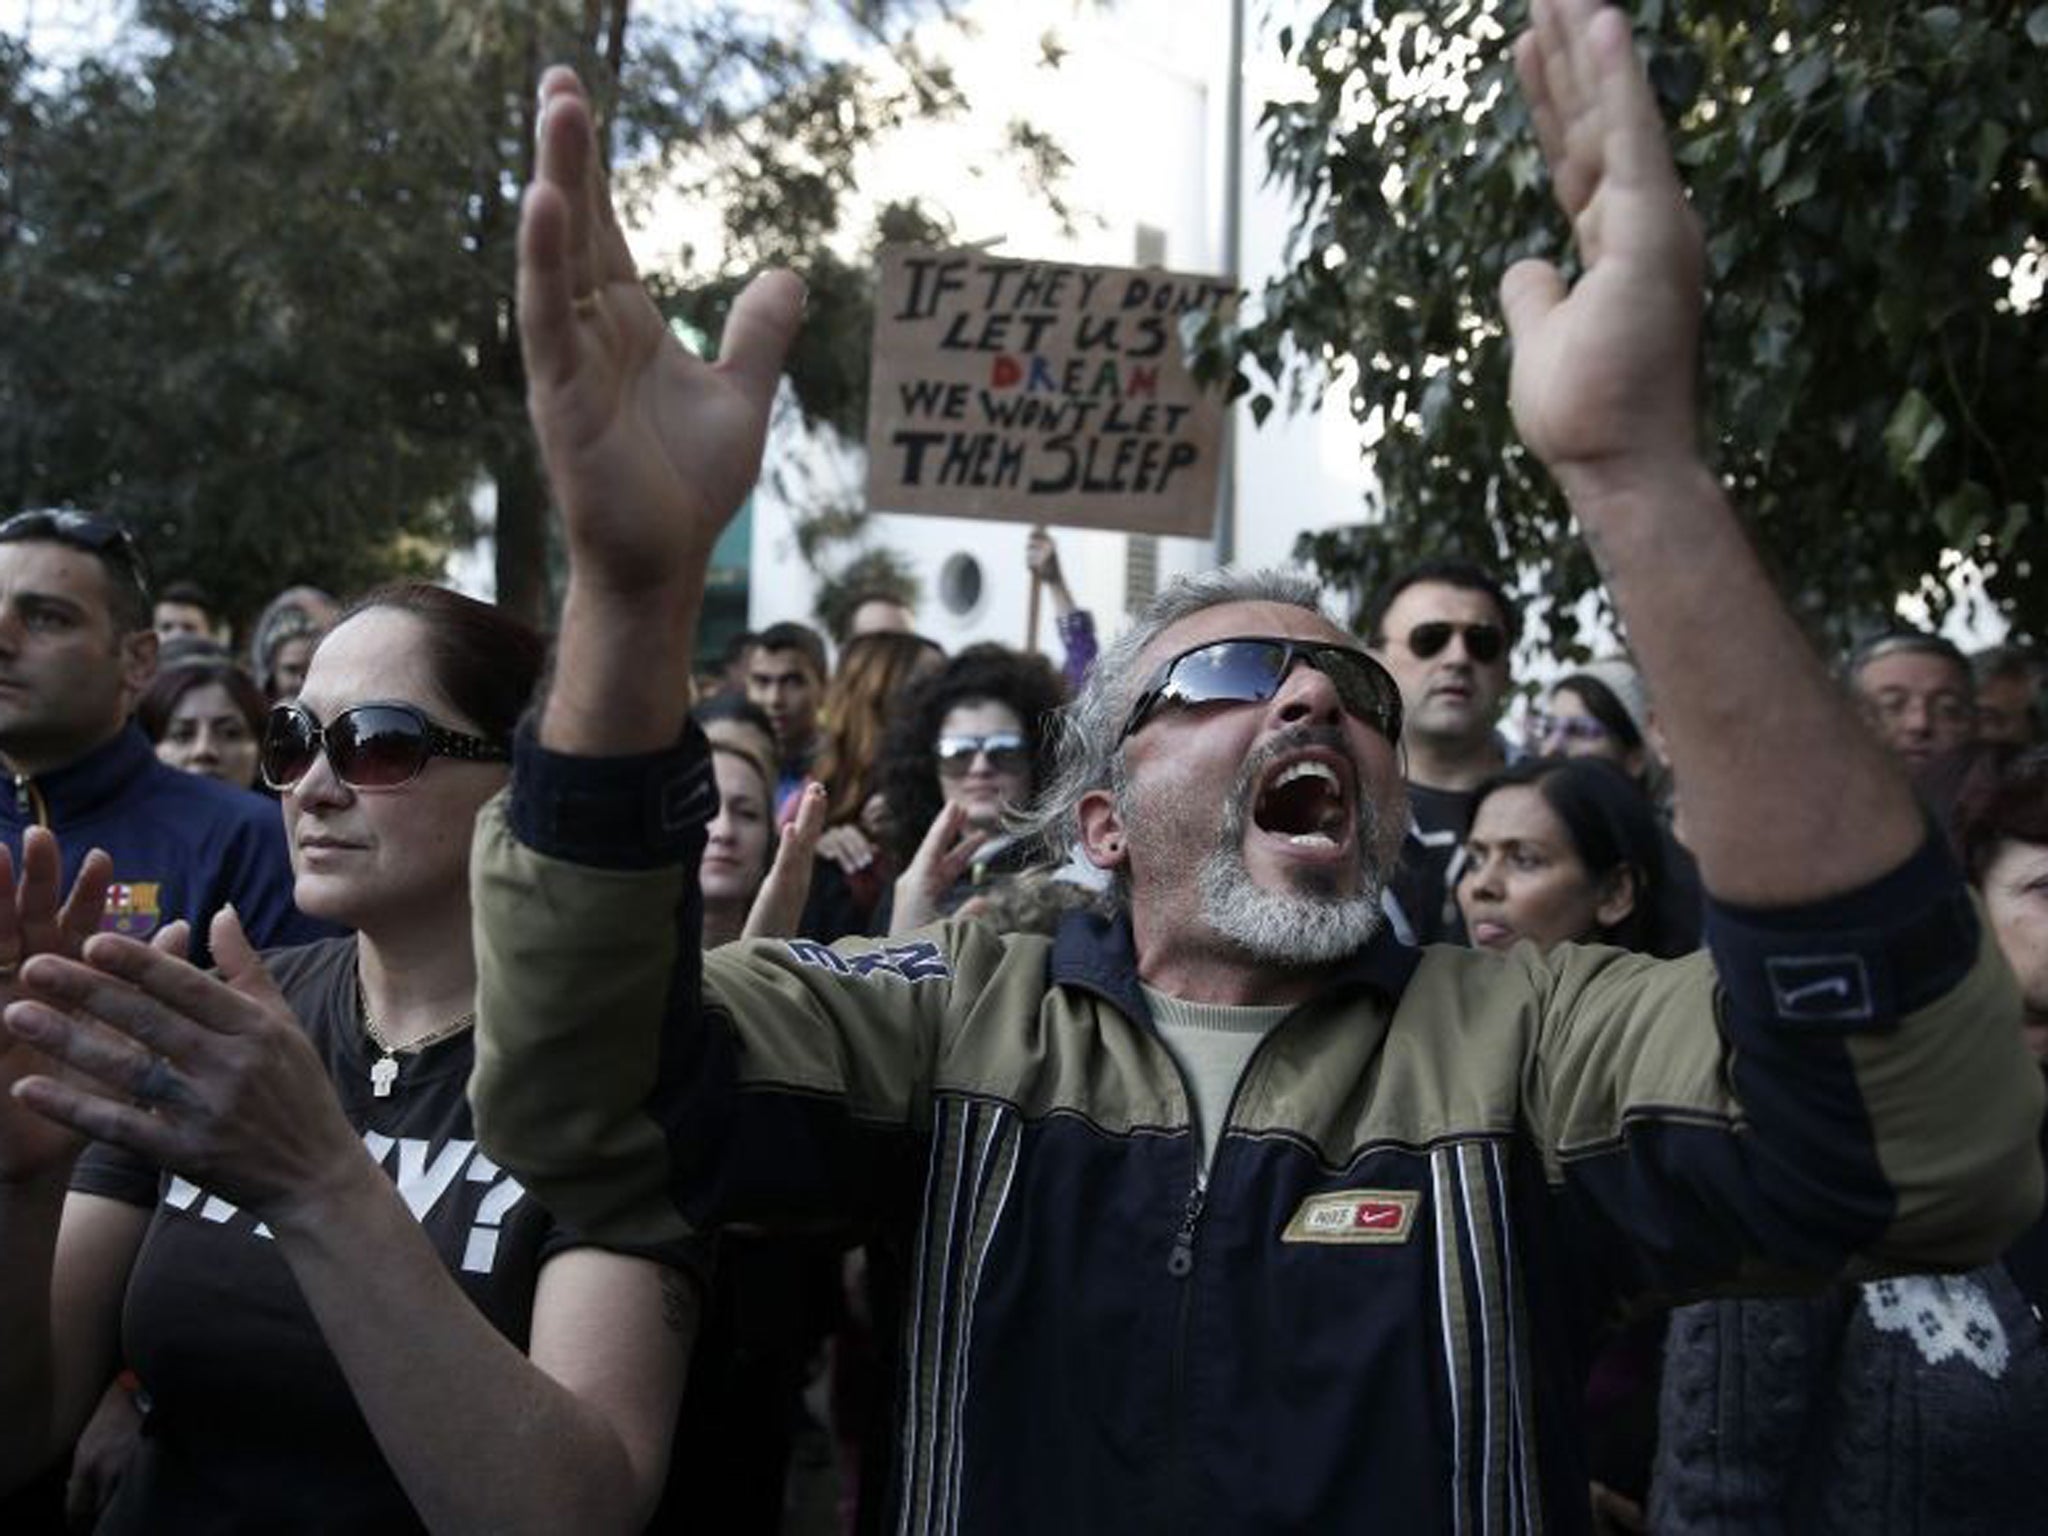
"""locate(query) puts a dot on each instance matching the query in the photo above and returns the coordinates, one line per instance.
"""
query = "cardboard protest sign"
(1041, 392)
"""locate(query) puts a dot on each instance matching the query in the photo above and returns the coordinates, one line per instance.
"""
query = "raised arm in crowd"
(1224, 1209)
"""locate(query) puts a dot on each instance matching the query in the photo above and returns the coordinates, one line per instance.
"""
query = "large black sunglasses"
(371, 746)
(1251, 670)
(96, 535)
(1483, 642)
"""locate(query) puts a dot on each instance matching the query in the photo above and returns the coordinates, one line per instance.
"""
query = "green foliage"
(1868, 174)
(256, 275)
(828, 363)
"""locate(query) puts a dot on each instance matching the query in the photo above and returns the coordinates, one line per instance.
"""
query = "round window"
(960, 585)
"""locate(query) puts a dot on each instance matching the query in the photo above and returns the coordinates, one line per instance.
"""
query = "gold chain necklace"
(384, 1070)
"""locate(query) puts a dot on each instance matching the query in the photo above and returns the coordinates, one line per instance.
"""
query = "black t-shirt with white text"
(249, 1423)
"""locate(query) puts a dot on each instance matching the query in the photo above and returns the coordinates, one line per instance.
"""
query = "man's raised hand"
(649, 450)
(1603, 377)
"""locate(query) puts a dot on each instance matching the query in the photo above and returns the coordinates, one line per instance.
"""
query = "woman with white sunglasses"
(971, 745)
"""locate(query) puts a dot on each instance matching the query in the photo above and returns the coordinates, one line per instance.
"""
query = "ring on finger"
(585, 305)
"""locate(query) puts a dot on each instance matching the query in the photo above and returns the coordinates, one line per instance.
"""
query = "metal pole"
(1031, 613)
(1233, 258)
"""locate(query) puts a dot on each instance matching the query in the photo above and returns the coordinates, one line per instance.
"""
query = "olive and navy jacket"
(1435, 1176)
(183, 845)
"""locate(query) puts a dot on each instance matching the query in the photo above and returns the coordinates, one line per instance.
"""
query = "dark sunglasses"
(1250, 671)
(96, 535)
(1483, 642)
(1004, 749)
(372, 746)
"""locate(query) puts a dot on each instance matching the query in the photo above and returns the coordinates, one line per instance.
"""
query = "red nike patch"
(1353, 1216)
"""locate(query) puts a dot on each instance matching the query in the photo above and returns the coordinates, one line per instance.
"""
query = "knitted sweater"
(1915, 1404)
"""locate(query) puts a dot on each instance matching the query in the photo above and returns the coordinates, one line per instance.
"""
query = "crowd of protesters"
(1216, 1082)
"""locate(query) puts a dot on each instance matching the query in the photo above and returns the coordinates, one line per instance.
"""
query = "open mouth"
(1304, 802)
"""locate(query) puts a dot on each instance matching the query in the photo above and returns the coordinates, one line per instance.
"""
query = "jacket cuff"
(1854, 963)
(638, 812)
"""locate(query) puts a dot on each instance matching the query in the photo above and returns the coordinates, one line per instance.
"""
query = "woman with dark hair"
(973, 743)
(340, 1312)
(1563, 850)
(1567, 850)
(205, 717)
(1602, 710)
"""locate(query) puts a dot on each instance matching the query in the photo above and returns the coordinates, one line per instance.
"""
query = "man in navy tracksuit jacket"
(76, 648)
(183, 845)
(1227, 1211)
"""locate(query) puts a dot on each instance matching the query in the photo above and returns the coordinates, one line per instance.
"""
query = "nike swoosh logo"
(1832, 986)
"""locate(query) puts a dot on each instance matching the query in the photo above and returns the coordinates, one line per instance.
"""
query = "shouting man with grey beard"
(1333, 905)
(1341, 1273)
(1324, 918)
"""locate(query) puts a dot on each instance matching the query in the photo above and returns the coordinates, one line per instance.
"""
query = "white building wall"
(1140, 104)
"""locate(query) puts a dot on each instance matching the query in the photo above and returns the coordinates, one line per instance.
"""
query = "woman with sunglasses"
(971, 745)
(341, 1314)
(1601, 710)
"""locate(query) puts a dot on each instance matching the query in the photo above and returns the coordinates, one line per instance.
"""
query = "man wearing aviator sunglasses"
(77, 648)
(1444, 628)
(1308, 1222)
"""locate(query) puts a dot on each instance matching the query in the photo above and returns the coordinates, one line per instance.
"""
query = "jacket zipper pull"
(1181, 1262)
(22, 804)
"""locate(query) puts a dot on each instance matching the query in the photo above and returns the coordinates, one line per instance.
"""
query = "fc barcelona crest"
(132, 908)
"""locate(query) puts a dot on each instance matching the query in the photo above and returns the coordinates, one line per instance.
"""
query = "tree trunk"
(522, 531)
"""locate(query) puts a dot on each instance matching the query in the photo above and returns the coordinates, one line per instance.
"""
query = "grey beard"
(1289, 927)
(1286, 927)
